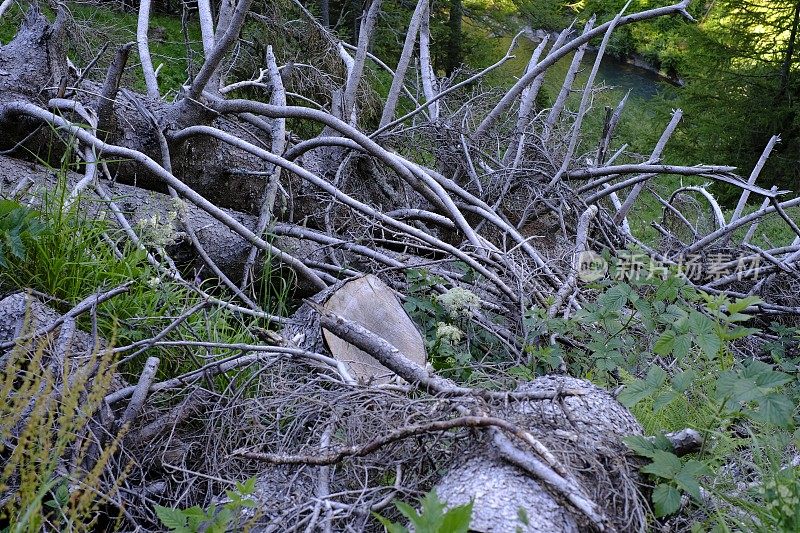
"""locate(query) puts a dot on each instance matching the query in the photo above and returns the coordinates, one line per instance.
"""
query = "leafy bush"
(19, 227)
(673, 348)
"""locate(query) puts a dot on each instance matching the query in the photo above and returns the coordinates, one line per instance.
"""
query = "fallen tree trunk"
(143, 209)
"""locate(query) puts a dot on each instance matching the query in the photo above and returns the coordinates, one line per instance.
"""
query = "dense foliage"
(738, 64)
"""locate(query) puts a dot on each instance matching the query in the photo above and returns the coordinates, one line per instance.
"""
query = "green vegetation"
(681, 341)
(19, 226)
(47, 426)
(432, 517)
(672, 347)
(214, 519)
(114, 27)
(738, 61)
(455, 345)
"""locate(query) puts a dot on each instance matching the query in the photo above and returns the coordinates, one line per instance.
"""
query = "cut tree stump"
(370, 302)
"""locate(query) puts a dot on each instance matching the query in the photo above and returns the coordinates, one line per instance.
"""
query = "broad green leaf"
(521, 372)
(743, 303)
(689, 484)
(640, 445)
(699, 323)
(709, 343)
(665, 465)
(695, 468)
(665, 343)
(663, 400)
(645, 310)
(390, 526)
(656, 376)
(705, 334)
(635, 392)
(409, 512)
(666, 499)
(456, 520)
(765, 376)
(735, 389)
(432, 507)
(683, 345)
(195, 515)
(681, 382)
(672, 315)
(249, 486)
(616, 297)
(172, 518)
(740, 333)
(774, 409)
(668, 290)
(688, 477)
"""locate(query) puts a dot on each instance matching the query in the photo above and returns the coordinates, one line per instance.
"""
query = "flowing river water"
(641, 82)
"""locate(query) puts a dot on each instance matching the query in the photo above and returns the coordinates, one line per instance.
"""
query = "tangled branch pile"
(490, 193)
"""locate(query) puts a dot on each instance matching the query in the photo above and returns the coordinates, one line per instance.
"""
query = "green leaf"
(687, 478)
(665, 343)
(735, 389)
(248, 487)
(616, 297)
(666, 499)
(740, 333)
(635, 392)
(765, 376)
(668, 290)
(665, 465)
(645, 310)
(741, 304)
(656, 376)
(390, 526)
(682, 381)
(432, 508)
(709, 343)
(775, 409)
(409, 512)
(689, 485)
(222, 520)
(195, 516)
(521, 372)
(457, 519)
(673, 315)
(175, 519)
(663, 400)
(522, 516)
(683, 344)
(640, 445)
(705, 334)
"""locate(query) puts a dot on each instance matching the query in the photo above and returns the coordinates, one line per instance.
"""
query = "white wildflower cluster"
(155, 232)
(179, 206)
(449, 333)
(459, 302)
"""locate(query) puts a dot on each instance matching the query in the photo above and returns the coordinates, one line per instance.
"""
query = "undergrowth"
(52, 468)
(678, 353)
